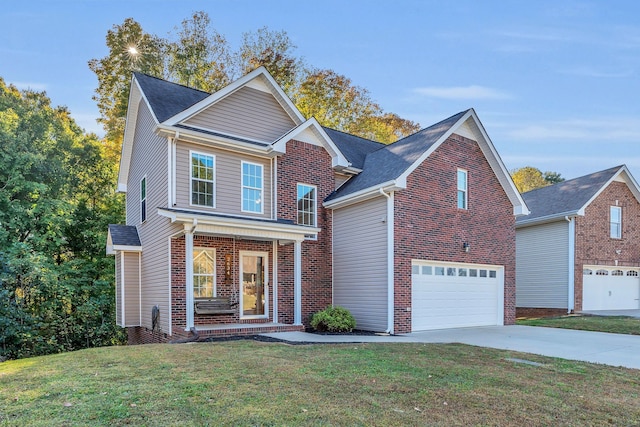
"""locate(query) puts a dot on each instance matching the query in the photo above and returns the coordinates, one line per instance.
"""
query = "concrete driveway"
(594, 347)
(629, 313)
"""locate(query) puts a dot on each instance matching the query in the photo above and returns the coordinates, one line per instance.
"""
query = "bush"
(333, 319)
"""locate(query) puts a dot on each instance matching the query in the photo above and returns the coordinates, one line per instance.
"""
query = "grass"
(612, 324)
(254, 383)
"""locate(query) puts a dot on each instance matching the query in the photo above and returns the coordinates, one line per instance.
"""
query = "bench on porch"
(216, 305)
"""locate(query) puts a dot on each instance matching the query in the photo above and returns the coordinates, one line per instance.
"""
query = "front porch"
(234, 276)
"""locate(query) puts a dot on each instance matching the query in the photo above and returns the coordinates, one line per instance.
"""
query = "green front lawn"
(253, 383)
(616, 325)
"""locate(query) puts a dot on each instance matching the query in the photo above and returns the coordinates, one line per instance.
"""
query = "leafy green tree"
(200, 56)
(55, 282)
(552, 177)
(130, 49)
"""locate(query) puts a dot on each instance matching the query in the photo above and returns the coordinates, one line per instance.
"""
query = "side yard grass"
(254, 383)
(612, 324)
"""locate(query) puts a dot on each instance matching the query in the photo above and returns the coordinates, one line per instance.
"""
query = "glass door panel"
(253, 285)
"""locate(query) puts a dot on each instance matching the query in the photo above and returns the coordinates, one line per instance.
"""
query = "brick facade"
(594, 246)
(306, 164)
(429, 225)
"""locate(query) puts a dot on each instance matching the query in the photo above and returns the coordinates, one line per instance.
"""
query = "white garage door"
(446, 295)
(610, 288)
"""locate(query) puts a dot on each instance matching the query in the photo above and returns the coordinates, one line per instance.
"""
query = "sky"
(555, 83)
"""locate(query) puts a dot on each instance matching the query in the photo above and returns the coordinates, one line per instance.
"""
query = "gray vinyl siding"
(227, 180)
(131, 289)
(118, 263)
(542, 259)
(149, 157)
(360, 262)
(248, 113)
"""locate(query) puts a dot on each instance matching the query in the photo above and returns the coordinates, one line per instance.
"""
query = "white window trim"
(143, 200)
(465, 190)
(191, 178)
(215, 287)
(242, 187)
(315, 212)
(619, 209)
(265, 255)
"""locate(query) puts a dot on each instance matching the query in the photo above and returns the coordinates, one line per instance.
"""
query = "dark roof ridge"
(139, 73)
(460, 113)
(568, 181)
(357, 136)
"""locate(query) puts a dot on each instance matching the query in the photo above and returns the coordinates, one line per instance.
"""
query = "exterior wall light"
(466, 247)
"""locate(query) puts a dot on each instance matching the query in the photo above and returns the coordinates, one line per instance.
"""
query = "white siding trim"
(122, 282)
(274, 285)
(188, 235)
(571, 265)
(297, 282)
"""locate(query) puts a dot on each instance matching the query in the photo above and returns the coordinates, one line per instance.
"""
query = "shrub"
(333, 319)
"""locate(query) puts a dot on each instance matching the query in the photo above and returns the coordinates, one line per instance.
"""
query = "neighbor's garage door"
(610, 288)
(448, 295)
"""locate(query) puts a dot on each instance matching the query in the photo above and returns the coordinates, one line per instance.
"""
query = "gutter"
(571, 263)
(390, 262)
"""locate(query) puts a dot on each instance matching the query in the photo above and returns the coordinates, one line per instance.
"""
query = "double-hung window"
(462, 189)
(252, 187)
(615, 222)
(204, 272)
(143, 199)
(306, 200)
(202, 180)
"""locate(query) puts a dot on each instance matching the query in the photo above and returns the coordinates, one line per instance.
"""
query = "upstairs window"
(143, 199)
(202, 180)
(615, 222)
(462, 189)
(306, 205)
(252, 188)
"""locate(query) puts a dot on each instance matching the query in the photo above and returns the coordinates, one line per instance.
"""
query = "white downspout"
(571, 264)
(390, 262)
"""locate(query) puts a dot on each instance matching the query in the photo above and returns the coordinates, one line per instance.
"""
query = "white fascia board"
(499, 169)
(337, 158)
(626, 176)
(229, 89)
(364, 194)
(241, 226)
(214, 140)
(492, 156)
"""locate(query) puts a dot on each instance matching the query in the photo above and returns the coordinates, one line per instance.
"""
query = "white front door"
(610, 288)
(452, 295)
(254, 298)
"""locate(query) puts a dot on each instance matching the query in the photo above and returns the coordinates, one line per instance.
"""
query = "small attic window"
(143, 199)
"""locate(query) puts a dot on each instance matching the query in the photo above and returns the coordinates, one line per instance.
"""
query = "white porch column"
(297, 282)
(188, 248)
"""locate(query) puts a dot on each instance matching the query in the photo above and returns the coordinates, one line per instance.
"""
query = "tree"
(529, 178)
(130, 49)
(552, 177)
(274, 51)
(200, 57)
(55, 203)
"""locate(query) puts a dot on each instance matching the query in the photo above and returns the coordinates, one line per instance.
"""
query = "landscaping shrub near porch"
(333, 319)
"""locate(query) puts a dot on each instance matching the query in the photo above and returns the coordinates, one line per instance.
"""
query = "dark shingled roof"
(566, 197)
(124, 235)
(391, 161)
(354, 148)
(168, 99)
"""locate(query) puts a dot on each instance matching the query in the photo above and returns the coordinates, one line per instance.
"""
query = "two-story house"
(243, 216)
(579, 249)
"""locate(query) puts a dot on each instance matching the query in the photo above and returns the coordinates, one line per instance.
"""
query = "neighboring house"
(245, 217)
(579, 249)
